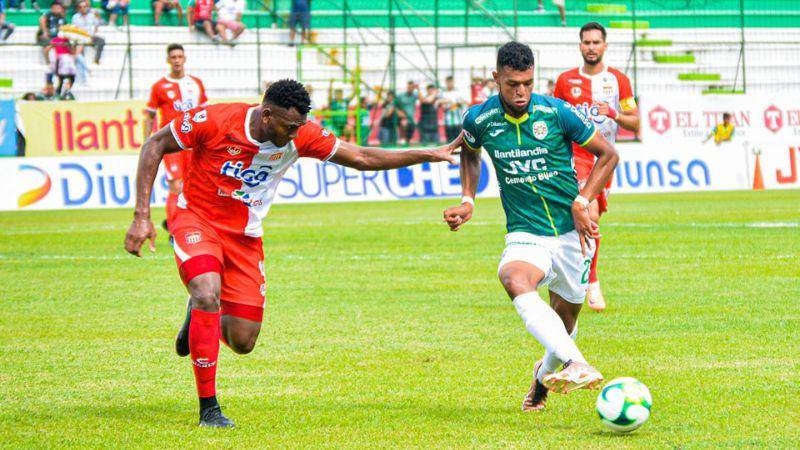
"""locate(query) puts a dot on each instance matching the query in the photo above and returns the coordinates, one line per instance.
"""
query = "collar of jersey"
(175, 80)
(514, 120)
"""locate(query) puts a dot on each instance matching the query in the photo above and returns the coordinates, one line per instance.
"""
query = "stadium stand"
(668, 58)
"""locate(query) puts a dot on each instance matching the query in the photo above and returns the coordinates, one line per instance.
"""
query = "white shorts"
(566, 270)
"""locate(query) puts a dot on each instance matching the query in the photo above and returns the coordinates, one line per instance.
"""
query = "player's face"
(593, 46)
(176, 59)
(282, 124)
(515, 88)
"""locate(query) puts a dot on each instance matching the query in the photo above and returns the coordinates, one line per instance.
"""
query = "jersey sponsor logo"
(580, 113)
(608, 90)
(497, 124)
(576, 91)
(182, 106)
(233, 150)
(166, 85)
(495, 133)
(250, 177)
(577, 81)
(527, 166)
(246, 198)
(486, 115)
(540, 129)
(193, 237)
(186, 126)
(276, 156)
(469, 137)
(200, 116)
(542, 108)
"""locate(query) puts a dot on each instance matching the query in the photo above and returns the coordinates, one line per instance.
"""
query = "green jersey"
(532, 157)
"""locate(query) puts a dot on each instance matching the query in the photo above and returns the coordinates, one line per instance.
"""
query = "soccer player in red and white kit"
(604, 94)
(239, 155)
(170, 97)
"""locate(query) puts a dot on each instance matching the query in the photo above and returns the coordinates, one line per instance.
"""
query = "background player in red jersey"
(170, 96)
(604, 94)
(240, 153)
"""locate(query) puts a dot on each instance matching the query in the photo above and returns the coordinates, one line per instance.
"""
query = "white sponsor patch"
(200, 116)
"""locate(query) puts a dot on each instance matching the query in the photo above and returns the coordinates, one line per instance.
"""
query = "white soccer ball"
(624, 404)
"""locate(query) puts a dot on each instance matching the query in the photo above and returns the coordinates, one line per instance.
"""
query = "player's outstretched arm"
(150, 157)
(607, 158)
(470, 171)
(368, 158)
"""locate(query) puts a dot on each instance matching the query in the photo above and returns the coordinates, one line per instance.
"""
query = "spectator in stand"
(561, 11)
(551, 88)
(89, 20)
(60, 56)
(387, 133)
(17, 4)
(338, 106)
(29, 97)
(6, 28)
(455, 105)
(407, 108)
(364, 117)
(48, 92)
(429, 115)
(229, 13)
(116, 8)
(300, 15)
(490, 88)
(200, 14)
(165, 6)
(476, 91)
(49, 23)
(66, 90)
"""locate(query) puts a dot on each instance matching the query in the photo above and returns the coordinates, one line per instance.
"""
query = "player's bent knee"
(516, 283)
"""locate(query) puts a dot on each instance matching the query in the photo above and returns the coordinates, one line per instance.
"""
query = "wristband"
(612, 113)
(582, 200)
(468, 199)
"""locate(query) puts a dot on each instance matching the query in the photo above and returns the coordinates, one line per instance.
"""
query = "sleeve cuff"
(175, 136)
(333, 152)
(594, 133)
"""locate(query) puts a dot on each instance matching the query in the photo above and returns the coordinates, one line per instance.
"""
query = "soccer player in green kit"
(550, 235)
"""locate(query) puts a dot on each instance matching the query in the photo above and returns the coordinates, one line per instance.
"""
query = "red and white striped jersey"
(232, 177)
(610, 86)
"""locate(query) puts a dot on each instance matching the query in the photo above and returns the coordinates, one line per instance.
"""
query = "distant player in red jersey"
(604, 94)
(171, 96)
(239, 155)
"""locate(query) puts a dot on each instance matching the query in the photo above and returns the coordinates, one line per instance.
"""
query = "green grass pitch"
(383, 329)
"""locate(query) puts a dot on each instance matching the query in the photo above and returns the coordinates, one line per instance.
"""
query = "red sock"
(172, 208)
(204, 349)
(593, 269)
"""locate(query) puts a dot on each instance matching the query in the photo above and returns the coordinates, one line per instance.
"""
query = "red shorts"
(239, 260)
(583, 168)
(177, 164)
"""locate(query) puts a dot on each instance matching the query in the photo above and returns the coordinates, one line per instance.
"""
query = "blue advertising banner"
(8, 129)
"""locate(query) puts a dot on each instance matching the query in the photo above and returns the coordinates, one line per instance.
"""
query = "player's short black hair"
(592, 26)
(172, 47)
(288, 94)
(515, 55)
(449, 78)
(726, 116)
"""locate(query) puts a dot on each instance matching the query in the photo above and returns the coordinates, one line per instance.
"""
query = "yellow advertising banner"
(86, 128)
(82, 128)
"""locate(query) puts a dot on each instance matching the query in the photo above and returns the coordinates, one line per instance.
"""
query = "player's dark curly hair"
(288, 94)
(515, 55)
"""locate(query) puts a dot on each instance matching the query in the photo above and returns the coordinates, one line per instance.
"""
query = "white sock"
(544, 324)
(549, 362)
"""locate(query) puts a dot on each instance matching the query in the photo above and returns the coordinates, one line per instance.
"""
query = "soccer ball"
(624, 404)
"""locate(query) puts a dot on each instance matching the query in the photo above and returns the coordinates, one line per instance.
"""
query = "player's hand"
(604, 109)
(445, 152)
(458, 215)
(140, 230)
(586, 228)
